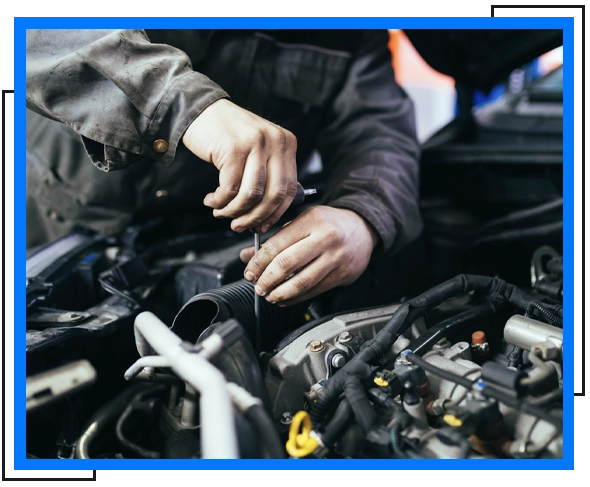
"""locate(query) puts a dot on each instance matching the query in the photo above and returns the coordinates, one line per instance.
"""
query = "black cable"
(555, 265)
(136, 404)
(499, 291)
(487, 391)
(400, 422)
(546, 398)
(338, 423)
(424, 342)
(524, 214)
(509, 235)
(272, 447)
(365, 414)
(140, 450)
(546, 313)
(465, 448)
(101, 418)
(117, 292)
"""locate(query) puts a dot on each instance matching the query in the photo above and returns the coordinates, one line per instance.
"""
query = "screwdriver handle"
(301, 194)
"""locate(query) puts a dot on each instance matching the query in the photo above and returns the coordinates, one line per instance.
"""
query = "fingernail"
(239, 229)
(265, 228)
(259, 290)
(250, 276)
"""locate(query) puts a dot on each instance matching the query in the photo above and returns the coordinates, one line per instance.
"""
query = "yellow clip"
(300, 444)
(307, 316)
(452, 420)
(380, 381)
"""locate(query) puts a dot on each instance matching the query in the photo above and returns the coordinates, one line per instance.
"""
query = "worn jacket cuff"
(182, 103)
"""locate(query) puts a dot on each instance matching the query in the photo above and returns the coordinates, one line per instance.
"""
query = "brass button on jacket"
(160, 146)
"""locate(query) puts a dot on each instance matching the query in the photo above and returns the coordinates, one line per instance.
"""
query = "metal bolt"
(344, 337)
(338, 360)
(316, 346)
(286, 418)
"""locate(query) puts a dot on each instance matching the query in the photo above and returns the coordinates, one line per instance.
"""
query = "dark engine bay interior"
(142, 345)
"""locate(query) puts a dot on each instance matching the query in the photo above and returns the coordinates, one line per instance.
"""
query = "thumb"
(247, 254)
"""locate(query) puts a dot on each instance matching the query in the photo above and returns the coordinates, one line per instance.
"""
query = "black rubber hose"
(424, 342)
(498, 290)
(134, 404)
(140, 450)
(547, 398)
(338, 423)
(271, 445)
(555, 266)
(400, 422)
(525, 214)
(103, 417)
(546, 313)
(236, 300)
(487, 391)
(523, 233)
(364, 412)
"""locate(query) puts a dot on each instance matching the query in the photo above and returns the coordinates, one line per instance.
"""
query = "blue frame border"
(21, 24)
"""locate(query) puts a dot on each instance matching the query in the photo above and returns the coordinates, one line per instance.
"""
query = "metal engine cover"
(308, 359)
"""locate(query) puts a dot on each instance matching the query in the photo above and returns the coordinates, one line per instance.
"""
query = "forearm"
(369, 148)
(380, 187)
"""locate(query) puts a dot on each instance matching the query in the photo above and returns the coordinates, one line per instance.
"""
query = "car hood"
(479, 59)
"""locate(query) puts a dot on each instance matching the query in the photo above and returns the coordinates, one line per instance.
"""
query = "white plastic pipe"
(218, 432)
(152, 361)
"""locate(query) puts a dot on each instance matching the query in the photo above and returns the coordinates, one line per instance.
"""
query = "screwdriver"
(299, 198)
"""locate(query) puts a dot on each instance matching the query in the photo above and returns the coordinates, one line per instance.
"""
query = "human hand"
(256, 162)
(329, 247)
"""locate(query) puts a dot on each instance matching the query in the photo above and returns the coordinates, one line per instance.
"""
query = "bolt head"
(286, 418)
(338, 360)
(316, 346)
(344, 337)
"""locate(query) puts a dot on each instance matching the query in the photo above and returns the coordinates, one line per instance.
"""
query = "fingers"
(246, 254)
(286, 263)
(315, 278)
(281, 188)
(230, 180)
(252, 188)
(282, 240)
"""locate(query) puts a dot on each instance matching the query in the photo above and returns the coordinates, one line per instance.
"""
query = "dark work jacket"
(104, 97)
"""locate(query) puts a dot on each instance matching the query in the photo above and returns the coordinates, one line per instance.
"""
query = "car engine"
(144, 344)
(470, 368)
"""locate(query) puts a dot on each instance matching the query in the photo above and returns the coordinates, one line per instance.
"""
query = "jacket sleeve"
(369, 147)
(128, 98)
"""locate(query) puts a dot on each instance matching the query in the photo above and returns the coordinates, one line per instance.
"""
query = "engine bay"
(143, 344)
(470, 368)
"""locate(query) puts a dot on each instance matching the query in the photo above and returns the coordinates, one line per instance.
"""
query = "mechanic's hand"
(256, 162)
(331, 247)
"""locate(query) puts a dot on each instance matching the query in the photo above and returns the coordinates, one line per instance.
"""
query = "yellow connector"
(300, 444)
(452, 420)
